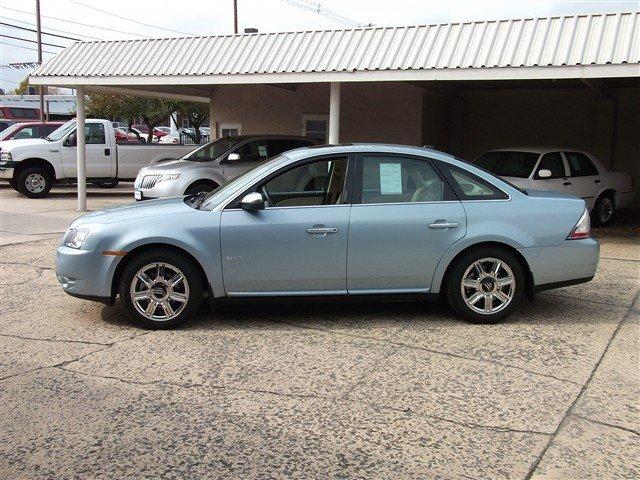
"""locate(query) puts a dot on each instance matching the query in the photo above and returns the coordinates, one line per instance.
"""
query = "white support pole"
(334, 114)
(81, 154)
(212, 126)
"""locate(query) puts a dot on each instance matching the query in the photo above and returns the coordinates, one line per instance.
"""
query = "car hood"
(8, 145)
(134, 211)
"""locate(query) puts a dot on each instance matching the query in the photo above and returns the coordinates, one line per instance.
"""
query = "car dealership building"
(464, 88)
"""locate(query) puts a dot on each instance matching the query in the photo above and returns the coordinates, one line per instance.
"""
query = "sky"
(118, 19)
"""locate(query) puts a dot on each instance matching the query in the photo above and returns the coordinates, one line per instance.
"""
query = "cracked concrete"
(308, 391)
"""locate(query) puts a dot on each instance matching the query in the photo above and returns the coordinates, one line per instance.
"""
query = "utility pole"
(39, 37)
(235, 16)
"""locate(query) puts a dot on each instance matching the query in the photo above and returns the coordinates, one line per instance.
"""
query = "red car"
(29, 130)
(122, 136)
(157, 133)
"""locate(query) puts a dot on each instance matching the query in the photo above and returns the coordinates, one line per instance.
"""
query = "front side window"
(212, 150)
(395, 179)
(580, 165)
(27, 132)
(318, 183)
(552, 162)
(469, 186)
(253, 151)
(508, 164)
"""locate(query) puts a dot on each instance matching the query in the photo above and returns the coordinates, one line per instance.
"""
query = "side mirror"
(233, 157)
(70, 140)
(252, 202)
(544, 173)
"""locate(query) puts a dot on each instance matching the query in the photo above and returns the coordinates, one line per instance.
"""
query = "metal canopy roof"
(601, 45)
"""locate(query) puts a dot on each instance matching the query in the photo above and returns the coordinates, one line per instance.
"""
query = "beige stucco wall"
(370, 112)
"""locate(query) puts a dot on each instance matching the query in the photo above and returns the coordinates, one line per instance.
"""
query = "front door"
(403, 220)
(558, 181)
(100, 157)
(297, 245)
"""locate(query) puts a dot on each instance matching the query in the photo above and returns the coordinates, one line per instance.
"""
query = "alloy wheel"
(488, 286)
(159, 291)
(605, 212)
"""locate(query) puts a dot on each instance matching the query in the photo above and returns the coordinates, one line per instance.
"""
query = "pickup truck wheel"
(603, 211)
(109, 184)
(14, 184)
(486, 285)
(34, 182)
(200, 187)
(160, 289)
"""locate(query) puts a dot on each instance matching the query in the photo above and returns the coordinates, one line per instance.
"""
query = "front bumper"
(85, 274)
(6, 170)
(574, 261)
(168, 188)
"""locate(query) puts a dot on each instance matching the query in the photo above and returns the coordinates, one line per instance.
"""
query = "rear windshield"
(508, 164)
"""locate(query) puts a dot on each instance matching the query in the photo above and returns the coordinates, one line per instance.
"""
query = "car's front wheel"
(161, 289)
(34, 182)
(200, 187)
(486, 285)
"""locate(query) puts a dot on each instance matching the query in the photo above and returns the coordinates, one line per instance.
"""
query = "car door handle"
(597, 181)
(107, 152)
(566, 183)
(321, 231)
(443, 225)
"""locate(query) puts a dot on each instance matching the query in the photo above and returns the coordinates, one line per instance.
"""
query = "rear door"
(584, 176)
(404, 218)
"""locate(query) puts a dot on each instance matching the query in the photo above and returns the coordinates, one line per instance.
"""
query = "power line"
(82, 37)
(34, 30)
(129, 19)
(31, 41)
(325, 12)
(26, 48)
(75, 23)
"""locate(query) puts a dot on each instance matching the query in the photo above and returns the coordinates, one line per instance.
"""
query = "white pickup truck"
(32, 166)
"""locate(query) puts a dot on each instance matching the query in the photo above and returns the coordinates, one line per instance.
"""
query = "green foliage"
(196, 112)
(21, 89)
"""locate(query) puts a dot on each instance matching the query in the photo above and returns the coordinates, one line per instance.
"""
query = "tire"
(199, 187)
(34, 182)
(109, 184)
(14, 184)
(603, 211)
(461, 298)
(158, 289)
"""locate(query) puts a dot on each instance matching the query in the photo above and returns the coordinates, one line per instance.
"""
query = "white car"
(563, 170)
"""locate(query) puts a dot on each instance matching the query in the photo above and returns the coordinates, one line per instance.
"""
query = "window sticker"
(391, 179)
(262, 150)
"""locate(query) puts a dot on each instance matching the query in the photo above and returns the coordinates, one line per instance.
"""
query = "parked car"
(4, 124)
(29, 130)
(563, 170)
(173, 137)
(379, 221)
(32, 166)
(19, 113)
(121, 125)
(157, 132)
(165, 130)
(208, 167)
(123, 136)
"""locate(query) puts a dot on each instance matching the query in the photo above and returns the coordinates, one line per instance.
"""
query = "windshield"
(508, 164)
(213, 150)
(61, 131)
(228, 189)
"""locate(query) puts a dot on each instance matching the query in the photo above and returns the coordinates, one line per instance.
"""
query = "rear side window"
(552, 162)
(469, 186)
(253, 151)
(580, 165)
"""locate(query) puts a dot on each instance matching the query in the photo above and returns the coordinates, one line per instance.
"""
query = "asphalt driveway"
(311, 391)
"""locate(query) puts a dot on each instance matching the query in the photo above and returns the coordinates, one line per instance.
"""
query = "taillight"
(582, 228)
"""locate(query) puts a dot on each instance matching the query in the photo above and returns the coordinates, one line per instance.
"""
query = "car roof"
(368, 147)
(537, 149)
(272, 136)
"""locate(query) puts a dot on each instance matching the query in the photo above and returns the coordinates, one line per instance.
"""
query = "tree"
(197, 113)
(152, 111)
(22, 88)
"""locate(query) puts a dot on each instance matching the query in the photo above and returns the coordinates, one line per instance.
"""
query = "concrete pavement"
(312, 391)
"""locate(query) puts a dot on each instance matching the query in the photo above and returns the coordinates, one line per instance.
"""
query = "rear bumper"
(572, 262)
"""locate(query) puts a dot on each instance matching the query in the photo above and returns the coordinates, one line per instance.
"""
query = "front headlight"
(169, 176)
(76, 237)
(5, 156)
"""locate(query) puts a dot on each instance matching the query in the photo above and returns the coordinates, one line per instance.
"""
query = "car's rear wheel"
(200, 187)
(603, 211)
(34, 182)
(161, 289)
(108, 184)
(486, 285)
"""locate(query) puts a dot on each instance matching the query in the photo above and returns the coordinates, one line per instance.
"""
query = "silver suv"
(213, 164)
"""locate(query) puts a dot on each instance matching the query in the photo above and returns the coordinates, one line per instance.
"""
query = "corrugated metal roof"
(602, 39)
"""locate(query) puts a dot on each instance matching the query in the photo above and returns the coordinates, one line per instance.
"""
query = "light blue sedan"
(339, 223)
